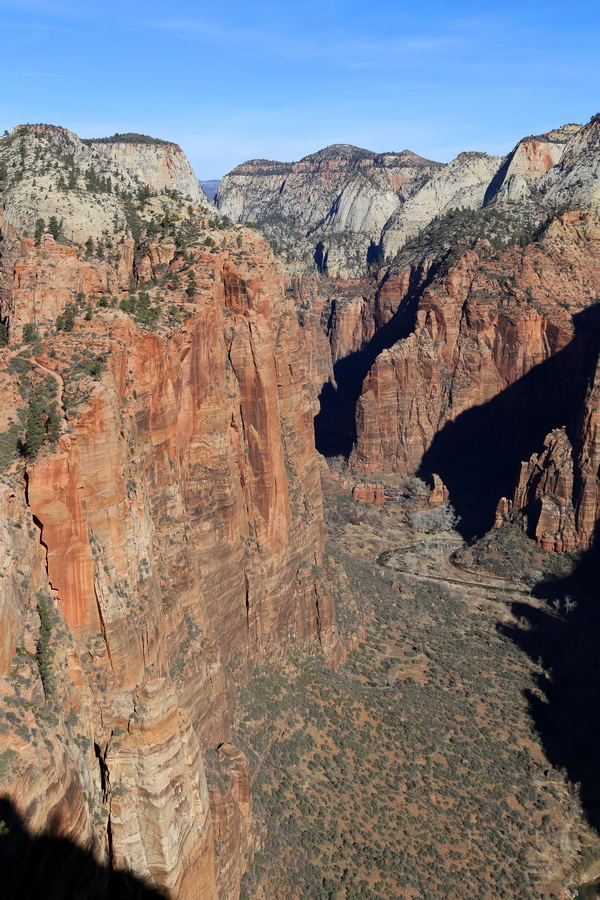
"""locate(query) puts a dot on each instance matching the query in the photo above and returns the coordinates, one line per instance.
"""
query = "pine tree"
(55, 228)
(30, 334)
(40, 227)
(53, 423)
(35, 433)
(66, 321)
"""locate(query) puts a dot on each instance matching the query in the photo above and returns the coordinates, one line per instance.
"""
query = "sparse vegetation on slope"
(128, 137)
(415, 770)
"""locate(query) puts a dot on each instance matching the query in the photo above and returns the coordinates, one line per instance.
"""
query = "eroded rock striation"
(160, 164)
(329, 208)
(161, 529)
(491, 351)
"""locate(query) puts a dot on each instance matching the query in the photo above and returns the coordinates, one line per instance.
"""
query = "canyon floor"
(417, 768)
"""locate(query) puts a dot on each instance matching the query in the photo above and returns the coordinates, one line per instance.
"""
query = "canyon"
(477, 289)
(181, 389)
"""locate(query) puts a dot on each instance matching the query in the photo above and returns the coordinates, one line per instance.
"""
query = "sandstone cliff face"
(532, 158)
(462, 184)
(485, 329)
(343, 208)
(451, 325)
(46, 759)
(174, 532)
(159, 165)
(329, 207)
(576, 177)
(544, 495)
(557, 495)
(47, 171)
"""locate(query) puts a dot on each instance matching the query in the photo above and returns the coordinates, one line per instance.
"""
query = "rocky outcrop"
(544, 495)
(38, 282)
(439, 493)
(329, 208)
(47, 762)
(532, 158)
(173, 533)
(575, 179)
(484, 329)
(557, 496)
(48, 172)
(462, 184)
(159, 164)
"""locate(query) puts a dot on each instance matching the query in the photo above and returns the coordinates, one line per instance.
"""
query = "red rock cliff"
(493, 331)
(179, 521)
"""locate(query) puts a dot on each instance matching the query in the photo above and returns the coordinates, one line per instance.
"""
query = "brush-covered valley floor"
(415, 769)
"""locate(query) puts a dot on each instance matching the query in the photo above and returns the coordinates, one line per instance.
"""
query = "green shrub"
(44, 654)
(30, 333)
(66, 321)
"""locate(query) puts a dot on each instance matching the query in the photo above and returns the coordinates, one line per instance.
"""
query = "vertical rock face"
(490, 346)
(173, 534)
(532, 158)
(576, 177)
(343, 208)
(329, 208)
(544, 495)
(160, 164)
(47, 762)
(461, 184)
(557, 494)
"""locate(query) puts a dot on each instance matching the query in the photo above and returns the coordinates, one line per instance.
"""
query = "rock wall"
(557, 496)
(160, 165)
(174, 533)
(500, 337)
(327, 209)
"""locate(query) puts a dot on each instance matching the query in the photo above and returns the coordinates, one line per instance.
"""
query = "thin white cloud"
(283, 44)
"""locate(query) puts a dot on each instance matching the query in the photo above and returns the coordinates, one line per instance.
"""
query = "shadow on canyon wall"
(335, 423)
(478, 455)
(563, 637)
(52, 867)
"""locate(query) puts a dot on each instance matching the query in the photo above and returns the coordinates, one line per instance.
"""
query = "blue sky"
(231, 81)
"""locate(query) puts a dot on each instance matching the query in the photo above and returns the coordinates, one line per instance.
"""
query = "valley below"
(415, 769)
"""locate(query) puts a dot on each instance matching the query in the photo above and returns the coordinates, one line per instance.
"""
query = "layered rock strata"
(490, 346)
(169, 541)
(327, 209)
(344, 209)
(48, 172)
(159, 164)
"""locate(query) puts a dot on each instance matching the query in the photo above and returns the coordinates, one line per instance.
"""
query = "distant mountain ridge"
(47, 170)
(210, 187)
(343, 207)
